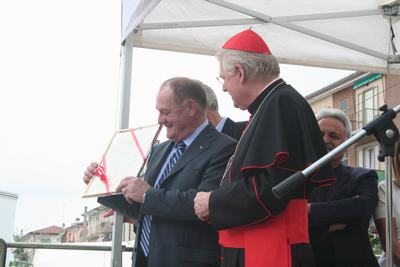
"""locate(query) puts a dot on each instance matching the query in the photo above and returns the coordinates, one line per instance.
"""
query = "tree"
(20, 254)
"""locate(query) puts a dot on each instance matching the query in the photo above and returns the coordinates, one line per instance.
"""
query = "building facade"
(96, 227)
(73, 234)
(360, 95)
(99, 227)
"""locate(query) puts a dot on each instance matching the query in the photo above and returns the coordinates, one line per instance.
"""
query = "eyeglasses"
(220, 80)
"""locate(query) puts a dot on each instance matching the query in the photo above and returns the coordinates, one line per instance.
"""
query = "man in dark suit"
(339, 215)
(223, 124)
(170, 234)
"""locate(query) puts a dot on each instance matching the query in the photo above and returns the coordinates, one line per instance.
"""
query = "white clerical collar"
(271, 82)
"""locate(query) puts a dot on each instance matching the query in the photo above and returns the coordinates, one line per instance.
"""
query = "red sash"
(267, 244)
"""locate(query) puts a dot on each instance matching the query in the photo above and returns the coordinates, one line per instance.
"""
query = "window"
(128, 232)
(367, 157)
(345, 158)
(97, 223)
(344, 106)
(367, 106)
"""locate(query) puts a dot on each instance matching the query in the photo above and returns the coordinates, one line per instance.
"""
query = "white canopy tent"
(342, 34)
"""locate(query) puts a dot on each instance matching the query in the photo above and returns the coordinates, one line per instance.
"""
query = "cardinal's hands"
(201, 202)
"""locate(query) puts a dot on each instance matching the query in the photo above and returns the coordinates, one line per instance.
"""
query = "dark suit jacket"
(350, 200)
(234, 129)
(178, 237)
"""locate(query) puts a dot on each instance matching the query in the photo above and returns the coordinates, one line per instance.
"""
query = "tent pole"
(125, 84)
(388, 213)
(252, 21)
(116, 245)
(125, 96)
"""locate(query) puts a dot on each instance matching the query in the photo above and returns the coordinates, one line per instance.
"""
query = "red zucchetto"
(248, 41)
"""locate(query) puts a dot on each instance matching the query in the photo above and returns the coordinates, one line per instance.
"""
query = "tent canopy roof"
(342, 34)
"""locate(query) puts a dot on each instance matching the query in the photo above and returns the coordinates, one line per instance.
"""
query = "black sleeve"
(243, 202)
(348, 210)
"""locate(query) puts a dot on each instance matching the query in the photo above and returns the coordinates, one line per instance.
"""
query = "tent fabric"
(341, 34)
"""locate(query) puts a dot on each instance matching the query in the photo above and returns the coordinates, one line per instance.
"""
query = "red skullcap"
(248, 41)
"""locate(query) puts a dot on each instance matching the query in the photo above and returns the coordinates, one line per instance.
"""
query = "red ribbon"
(101, 172)
(137, 144)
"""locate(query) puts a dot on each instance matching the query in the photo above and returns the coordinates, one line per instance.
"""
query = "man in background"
(339, 215)
(222, 124)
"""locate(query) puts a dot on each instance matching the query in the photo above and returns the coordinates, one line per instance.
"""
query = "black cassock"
(282, 137)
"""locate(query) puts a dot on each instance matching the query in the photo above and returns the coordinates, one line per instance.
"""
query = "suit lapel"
(228, 127)
(199, 145)
(158, 162)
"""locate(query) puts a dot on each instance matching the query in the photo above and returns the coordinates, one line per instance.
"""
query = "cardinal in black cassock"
(282, 137)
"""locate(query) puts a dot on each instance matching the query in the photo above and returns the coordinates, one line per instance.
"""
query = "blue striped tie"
(145, 238)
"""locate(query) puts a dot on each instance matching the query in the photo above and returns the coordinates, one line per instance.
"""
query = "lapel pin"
(201, 147)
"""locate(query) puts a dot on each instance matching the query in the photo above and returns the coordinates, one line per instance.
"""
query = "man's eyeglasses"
(220, 80)
(232, 72)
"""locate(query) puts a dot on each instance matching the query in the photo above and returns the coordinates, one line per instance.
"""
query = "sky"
(59, 81)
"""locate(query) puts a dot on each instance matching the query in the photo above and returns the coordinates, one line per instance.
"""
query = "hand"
(337, 227)
(90, 172)
(126, 219)
(133, 189)
(201, 202)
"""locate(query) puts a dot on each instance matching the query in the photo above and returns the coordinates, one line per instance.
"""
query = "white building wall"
(8, 204)
(326, 102)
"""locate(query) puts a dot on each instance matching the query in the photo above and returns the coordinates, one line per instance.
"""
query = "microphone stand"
(386, 133)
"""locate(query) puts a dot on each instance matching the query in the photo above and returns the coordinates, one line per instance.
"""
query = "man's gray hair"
(335, 114)
(255, 65)
(186, 88)
(212, 101)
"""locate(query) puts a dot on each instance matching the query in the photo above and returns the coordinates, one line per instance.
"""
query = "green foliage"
(376, 244)
(20, 264)
(20, 254)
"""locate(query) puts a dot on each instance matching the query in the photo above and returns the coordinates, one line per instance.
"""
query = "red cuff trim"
(327, 184)
(324, 181)
(320, 182)
(258, 197)
(279, 158)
